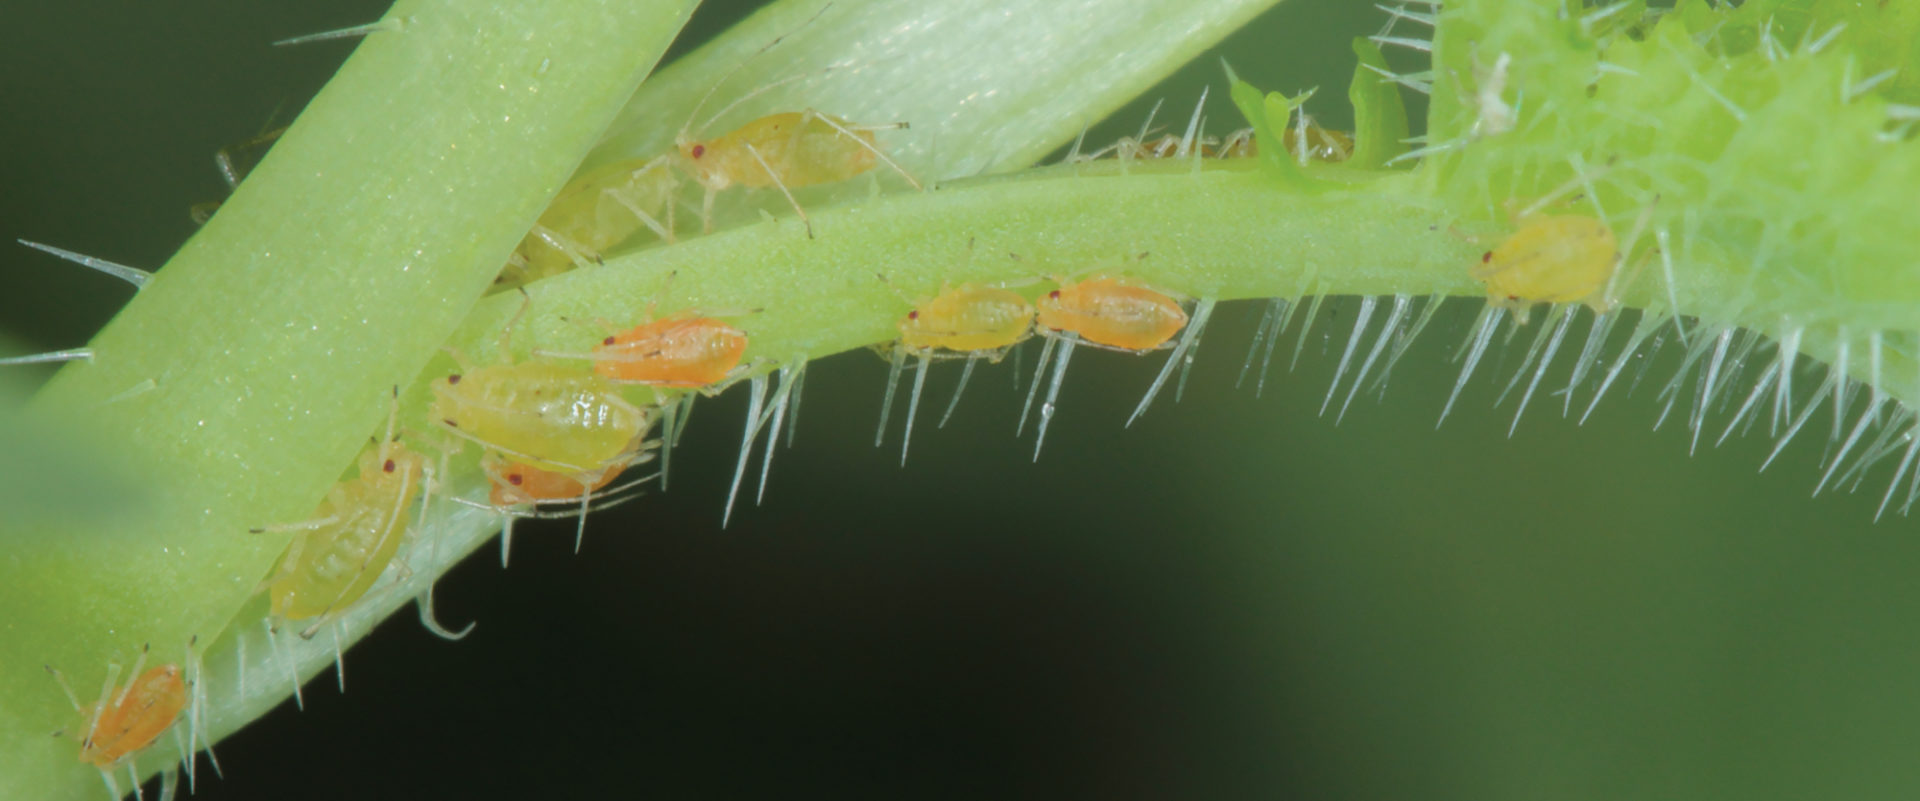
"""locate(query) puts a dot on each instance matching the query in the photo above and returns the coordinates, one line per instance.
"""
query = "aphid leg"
(1201, 311)
(74, 354)
(965, 373)
(580, 255)
(1073, 154)
(780, 185)
(1400, 305)
(913, 403)
(756, 392)
(1353, 341)
(850, 133)
(132, 275)
(896, 363)
(1476, 345)
(788, 381)
(1033, 387)
(1053, 390)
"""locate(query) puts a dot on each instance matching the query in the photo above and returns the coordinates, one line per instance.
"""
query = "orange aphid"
(680, 350)
(1105, 311)
(968, 318)
(517, 483)
(129, 718)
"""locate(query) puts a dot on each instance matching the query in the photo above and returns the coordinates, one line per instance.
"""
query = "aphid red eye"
(453, 379)
(515, 479)
(610, 341)
(913, 315)
(1486, 257)
(389, 466)
(450, 423)
(1054, 295)
(699, 150)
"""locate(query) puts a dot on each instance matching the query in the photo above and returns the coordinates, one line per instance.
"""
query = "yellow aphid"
(600, 209)
(547, 416)
(969, 318)
(352, 538)
(788, 150)
(1550, 259)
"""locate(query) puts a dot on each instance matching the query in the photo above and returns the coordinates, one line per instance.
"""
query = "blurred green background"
(1235, 598)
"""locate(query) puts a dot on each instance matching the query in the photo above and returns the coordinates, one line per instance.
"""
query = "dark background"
(1235, 598)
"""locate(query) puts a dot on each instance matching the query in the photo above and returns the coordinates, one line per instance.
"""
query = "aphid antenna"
(1401, 303)
(349, 32)
(1202, 311)
(695, 112)
(132, 275)
(1360, 320)
(1067, 342)
(74, 354)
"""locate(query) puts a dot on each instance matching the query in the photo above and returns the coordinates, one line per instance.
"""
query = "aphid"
(516, 484)
(353, 536)
(595, 212)
(548, 416)
(787, 150)
(972, 320)
(1323, 144)
(1550, 259)
(127, 719)
(1105, 311)
(681, 350)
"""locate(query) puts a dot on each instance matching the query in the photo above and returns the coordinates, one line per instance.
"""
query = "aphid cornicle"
(353, 536)
(1106, 311)
(682, 350)
(600, 209)
(1550, 259)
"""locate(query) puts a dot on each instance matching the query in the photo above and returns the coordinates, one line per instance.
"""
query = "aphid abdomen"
(796, 155)
(1106, 312)
(135, 716)
(1550, 259)
(552, 417)
(968, 319)
(683, 352)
